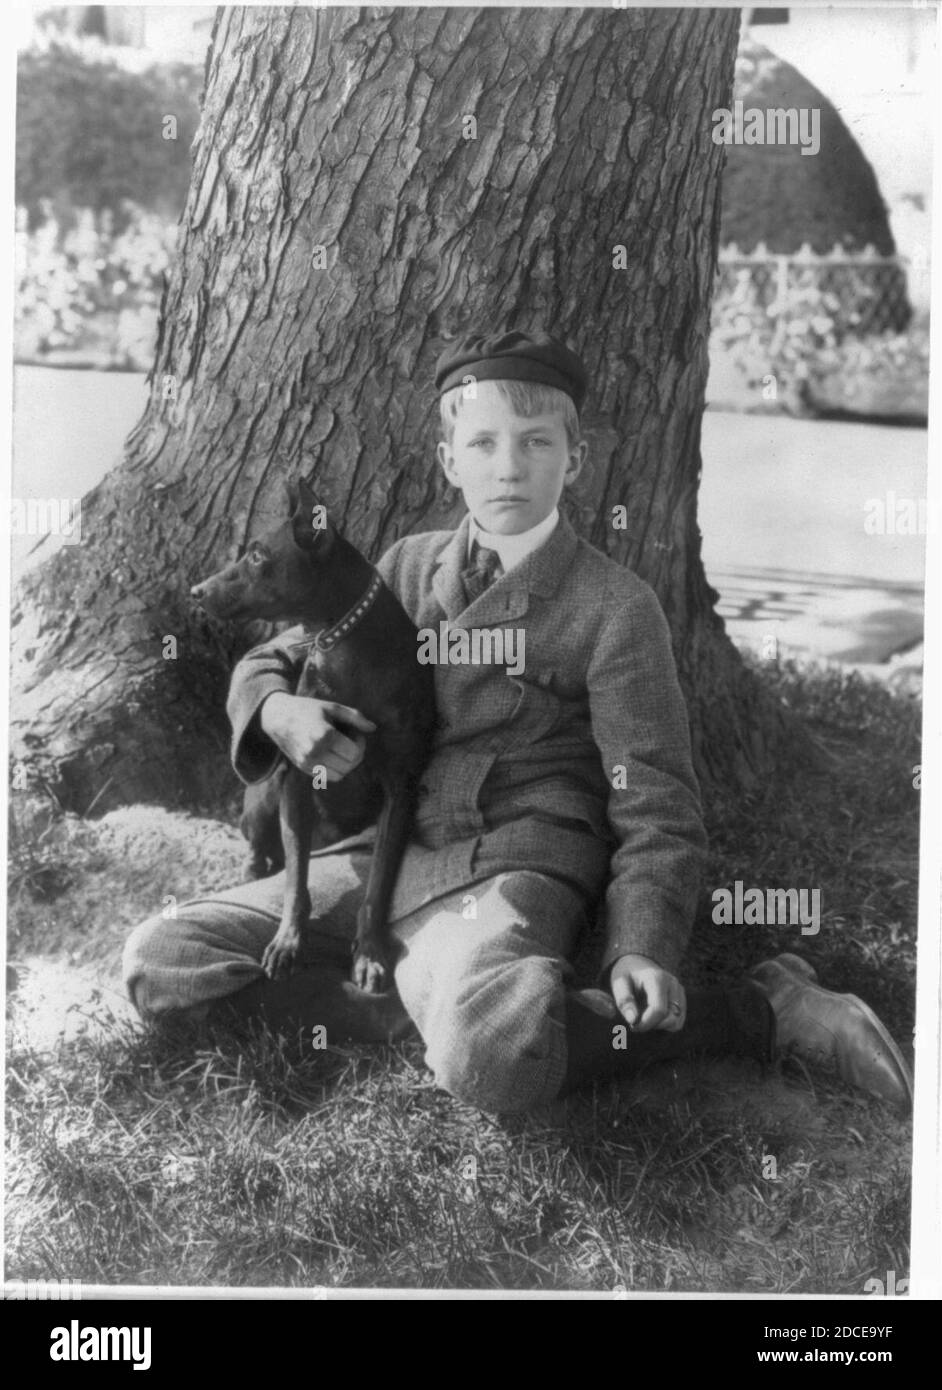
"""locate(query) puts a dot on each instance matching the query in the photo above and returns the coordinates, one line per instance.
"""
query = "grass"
(138, 1156)
(143, 1159)
(848, 826)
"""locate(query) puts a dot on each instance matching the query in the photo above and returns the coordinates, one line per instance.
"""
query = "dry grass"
(142, 1157)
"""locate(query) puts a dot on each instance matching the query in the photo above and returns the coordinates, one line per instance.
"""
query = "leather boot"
(720, 1023)
(836, 1031)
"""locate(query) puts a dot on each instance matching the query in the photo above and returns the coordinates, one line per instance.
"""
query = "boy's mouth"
(509, 498)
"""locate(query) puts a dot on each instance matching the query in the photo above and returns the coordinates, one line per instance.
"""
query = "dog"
(360, 649)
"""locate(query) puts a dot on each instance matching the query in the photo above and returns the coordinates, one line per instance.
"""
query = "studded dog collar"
(328, 637)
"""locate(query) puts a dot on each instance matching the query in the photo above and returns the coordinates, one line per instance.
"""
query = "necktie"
(484, 569)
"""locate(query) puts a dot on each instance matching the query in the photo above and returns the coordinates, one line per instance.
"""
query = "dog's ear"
(300, 493)
(312, 527)
(305, 494)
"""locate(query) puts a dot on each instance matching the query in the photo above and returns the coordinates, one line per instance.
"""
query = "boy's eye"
(540, 442)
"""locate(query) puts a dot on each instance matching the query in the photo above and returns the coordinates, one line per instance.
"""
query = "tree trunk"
(366, 184)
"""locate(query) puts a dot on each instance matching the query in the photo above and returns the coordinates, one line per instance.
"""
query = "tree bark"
(450, 169)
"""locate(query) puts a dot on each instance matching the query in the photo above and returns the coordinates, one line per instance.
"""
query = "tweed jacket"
(577, 765)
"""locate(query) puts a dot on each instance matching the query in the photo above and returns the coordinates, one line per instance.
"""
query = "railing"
(866, 291)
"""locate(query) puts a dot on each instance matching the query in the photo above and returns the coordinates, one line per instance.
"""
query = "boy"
(546, 789)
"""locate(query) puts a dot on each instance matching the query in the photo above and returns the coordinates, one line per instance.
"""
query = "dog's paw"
(370, 973)
(280, 958)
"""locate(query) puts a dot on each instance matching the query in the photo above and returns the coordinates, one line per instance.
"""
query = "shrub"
(89, 128)
(883, 378)
(86, 288)
(814, 349)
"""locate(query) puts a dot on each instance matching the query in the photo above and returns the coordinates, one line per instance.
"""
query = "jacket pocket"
(537, 710)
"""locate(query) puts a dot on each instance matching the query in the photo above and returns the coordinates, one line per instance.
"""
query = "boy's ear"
(446, 458)
(577, 457)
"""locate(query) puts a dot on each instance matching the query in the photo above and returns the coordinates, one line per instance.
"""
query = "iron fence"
(863, 292)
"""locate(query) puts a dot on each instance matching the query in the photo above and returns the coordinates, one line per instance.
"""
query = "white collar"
(513, 549)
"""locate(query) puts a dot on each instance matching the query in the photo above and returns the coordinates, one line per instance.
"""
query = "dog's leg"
(261, 814)
(257, 866)
(297, 824)
(372, 950)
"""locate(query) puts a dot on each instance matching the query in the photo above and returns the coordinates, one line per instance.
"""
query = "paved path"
(783, 506)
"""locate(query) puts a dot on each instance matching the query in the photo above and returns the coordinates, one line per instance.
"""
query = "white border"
(926, 1260)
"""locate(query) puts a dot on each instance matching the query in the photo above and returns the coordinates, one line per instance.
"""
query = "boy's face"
(512, 469)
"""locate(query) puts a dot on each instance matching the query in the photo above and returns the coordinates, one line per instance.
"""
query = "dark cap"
(536, 357)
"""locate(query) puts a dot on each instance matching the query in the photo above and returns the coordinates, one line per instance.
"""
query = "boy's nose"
(509, 463)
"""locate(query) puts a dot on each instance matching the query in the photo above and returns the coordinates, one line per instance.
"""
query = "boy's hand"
(306, 732)
(648, 997)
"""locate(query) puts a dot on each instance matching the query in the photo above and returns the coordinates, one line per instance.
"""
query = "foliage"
(773, 193)
(90, 128)
(89, 288)
(882, 377)
(813, 347)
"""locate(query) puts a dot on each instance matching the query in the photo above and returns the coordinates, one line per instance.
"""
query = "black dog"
(361, 651)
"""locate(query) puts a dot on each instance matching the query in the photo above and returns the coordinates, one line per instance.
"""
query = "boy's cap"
(536, 357)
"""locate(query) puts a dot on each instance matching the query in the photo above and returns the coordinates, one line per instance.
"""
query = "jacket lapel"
(446, 578)
(508, 597)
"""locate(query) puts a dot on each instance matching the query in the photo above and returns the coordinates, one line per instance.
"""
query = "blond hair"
(526, 399)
